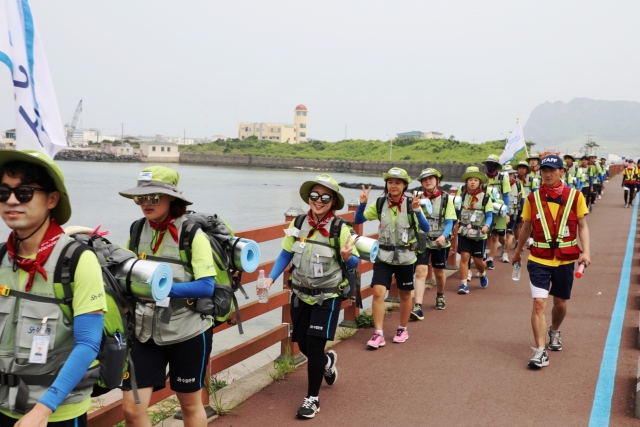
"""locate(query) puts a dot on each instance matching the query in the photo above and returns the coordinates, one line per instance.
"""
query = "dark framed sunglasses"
(152, 199)
(325, 198)
(23, 193)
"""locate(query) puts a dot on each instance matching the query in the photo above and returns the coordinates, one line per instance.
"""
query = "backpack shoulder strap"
(187, 234)
(379, 205)
(65, 271)
(3, 250)
(410, 213)
(134, 235)
(297, 223)
(485, 199)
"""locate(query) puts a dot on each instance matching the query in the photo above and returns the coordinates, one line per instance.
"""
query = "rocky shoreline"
(94, 156)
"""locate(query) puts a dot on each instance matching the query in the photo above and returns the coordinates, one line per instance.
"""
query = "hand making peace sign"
(347, 249)
(415, 205)
(364, 196)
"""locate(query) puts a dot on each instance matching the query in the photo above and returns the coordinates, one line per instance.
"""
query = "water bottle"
(515, 275)
(263, 292)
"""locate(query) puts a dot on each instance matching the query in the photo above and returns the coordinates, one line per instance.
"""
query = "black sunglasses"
(23, 193)
(325, 198)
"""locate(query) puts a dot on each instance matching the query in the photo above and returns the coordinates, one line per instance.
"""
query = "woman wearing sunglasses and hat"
(167, 333)
(317, 280)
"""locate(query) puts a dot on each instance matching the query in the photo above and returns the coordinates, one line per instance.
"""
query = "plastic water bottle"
(515, 275)
(263, 292)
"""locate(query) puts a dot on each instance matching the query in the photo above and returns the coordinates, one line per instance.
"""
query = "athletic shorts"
(436, 257)
(513, 220)
(81, 421)
(382, 273)
(474, 247)
(500, 233)
(316, 320)
(187, 362)
(554, 281)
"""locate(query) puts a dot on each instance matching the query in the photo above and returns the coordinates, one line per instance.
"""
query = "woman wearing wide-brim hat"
(319, 246)
(400, 222)
(169, 333)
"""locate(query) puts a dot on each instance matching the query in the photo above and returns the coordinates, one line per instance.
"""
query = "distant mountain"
(614, 124)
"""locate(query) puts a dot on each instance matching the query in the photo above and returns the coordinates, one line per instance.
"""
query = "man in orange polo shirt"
(556, 216)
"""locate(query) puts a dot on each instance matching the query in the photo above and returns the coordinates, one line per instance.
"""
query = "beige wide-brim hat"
(326, 181)
(62, 212)
(156, 179)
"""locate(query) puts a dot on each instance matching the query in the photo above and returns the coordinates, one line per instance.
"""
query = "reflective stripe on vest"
(563, 223)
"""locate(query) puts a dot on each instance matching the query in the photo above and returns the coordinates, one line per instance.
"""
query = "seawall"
(94, 156)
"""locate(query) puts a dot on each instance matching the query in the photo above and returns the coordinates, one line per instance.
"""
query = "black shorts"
(436, 257)
(555, 281)
(513, 220)
(586, 192)
(187, 364)
(474, 247)
(500, 233)
(316, 320)
(81, 421)
(382, 273)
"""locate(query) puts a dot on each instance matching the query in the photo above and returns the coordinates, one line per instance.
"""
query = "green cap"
(430, 172)
(533, 156)
(507, 168)
(571, 155)
(156, 179)
(525, 164)
(474, 172)
(397, 173)
(62, 212)
(493, 159)
(327, 181)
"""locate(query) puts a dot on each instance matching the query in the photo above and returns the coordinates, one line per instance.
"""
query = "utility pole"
(122, 134)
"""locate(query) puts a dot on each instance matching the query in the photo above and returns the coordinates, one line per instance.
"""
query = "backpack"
(223, 302)
(380, 204)
(352, 291)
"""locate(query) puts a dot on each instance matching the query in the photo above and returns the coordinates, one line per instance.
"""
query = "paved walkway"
(467, 365)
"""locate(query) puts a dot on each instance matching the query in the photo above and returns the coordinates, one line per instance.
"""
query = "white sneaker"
(599, 197)
(469, 276)
(505, 257)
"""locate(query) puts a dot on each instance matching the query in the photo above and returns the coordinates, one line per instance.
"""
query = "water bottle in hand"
(263, 292)
(515, 275)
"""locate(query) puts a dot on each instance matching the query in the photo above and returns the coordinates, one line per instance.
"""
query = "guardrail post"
(351, 312)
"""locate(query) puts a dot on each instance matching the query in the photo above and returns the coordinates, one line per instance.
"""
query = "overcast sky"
(463, 68)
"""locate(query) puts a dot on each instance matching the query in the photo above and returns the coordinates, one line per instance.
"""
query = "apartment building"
(278, 132)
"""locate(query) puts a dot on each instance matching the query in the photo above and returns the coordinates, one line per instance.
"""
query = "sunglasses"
(325, 198)
(23, 193)
(152, 199)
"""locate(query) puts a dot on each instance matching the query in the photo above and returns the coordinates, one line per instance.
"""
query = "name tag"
(39, 349)
(318, 270)
(473, 217)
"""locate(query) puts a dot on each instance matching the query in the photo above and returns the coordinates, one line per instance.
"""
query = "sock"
(489, 258)
(379, 332)
(419, 305)
(313, 398)
(439, 294)
(328, 365)
(484, 273)
(402, 327)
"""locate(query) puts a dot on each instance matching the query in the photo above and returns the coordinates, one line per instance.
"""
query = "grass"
(345, 332)
(364, 320)
(391, 307)
(283, 366)
(221, 407)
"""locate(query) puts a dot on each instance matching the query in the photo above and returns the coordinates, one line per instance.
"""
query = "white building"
(159, 152)
(278, 132)
(420, 135)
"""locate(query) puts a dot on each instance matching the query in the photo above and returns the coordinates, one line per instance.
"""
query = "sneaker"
(376, 341)
(401, 336)
(417, 313)
(490, 265)
(469, 276)
(505, 257)
(484, 281)
(331, 374)
(599, 197)
(463, 289)
(540, 358)
(310, 407)
(554, 340)
(440, 305)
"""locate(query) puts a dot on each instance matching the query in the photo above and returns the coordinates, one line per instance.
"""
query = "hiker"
(169, 332)
(570, 176)
(321, 249)
(437, 240)
(586, 178)
(595, 171)
(34, 203)
(497, 186)
(400, 220)
(630, 177)
(534, 165)
(516, 200)
(556, 216)
(527, 183)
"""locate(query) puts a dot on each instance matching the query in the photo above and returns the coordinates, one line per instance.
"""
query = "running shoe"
(490, 265)
(540, 358)
(331, 373)
(484, 281)
(310, 407)
(376, 341)
(417, 313)
(463, 289)
(505, 257)
(555, 343)
(440, 305)
(599, 197)
(401, 336)
(469, 276)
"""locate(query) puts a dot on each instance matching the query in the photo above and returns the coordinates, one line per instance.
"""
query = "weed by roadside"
(391, 307)
(364, 320)
(283, 366)
(345, 332)
(221, 407)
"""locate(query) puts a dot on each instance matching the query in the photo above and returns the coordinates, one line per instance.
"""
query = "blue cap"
(552, 161)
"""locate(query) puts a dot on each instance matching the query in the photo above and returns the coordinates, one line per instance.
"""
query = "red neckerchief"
(492, 174)
(512, 181)
(319, 226)
(399, 204)
(474, 196)
(535, 169)
(553, 192)
(162, 227)
(524, 180)
(33, 266)
(433, 195)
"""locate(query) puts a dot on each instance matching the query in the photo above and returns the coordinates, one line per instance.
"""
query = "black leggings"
(313, 348)
(629, 195)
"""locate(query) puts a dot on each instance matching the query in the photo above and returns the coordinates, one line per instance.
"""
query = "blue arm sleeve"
(448, 226)
(201, 288)
(359, 218)
(489, 219)
(505, 198)
(353, 262)
(281, 263)
(590, 181)
(422, 221)
(87, 335)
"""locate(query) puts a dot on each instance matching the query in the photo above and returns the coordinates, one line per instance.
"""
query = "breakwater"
(94, 156)
(451, 171)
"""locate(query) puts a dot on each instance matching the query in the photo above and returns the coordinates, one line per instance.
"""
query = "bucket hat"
(474, 172)
(430, 172)
(397, 173)
(533, 156)
(62, 212)
(156, 179)
(507, 168)
(326, 181)
(552, 161)
(525, 164)
(573, 156)
(493, 159)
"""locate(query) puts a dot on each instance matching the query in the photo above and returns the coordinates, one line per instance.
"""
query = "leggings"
(313, 348)
(586, 192)
(630, 193)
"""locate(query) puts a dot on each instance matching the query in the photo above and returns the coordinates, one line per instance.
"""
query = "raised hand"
(415, 205)
(347, 249)
(364, 196)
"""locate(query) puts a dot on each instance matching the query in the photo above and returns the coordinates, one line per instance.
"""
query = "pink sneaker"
(401, 335)
(376, 341)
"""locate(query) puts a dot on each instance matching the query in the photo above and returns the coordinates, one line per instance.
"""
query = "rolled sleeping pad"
(426, 203)
(150, 280)
(500, 208)
(367, 248)
(457, 203)
(246, 254)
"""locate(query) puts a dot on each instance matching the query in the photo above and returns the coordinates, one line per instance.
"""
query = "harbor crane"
(72, 126)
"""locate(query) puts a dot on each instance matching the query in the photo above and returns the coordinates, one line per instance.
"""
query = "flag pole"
(525, 141)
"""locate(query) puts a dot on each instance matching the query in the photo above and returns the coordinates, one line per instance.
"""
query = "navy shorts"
(382, 273)
(554, 281)
(81, 421)
(513, 220)
(435, 257)
(187, 362)
(316, 320)
(476, 248)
